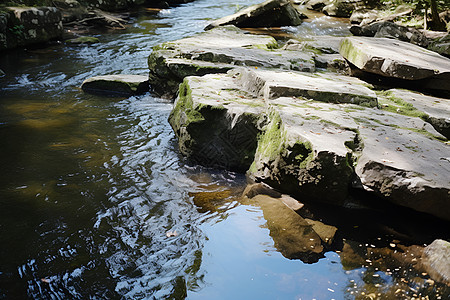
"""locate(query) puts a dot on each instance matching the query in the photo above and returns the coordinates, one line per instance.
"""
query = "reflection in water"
(91, 186)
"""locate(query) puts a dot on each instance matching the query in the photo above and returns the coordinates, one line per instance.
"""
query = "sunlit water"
(97, 203)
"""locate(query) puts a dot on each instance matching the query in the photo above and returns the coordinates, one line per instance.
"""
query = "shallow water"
(96, 201)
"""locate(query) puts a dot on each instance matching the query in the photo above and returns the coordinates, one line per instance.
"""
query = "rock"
(210, 201)
(83, 40)
(436, 261)
(119, 85)
(392, 58)
(271, 13)
(255, 189)
(325, 232)
(342, 8)
(22, 26)
(441, 45)
(293, 236)
(318, 86)
(431, 109)
(325, 44)
(317, 5)
(359, 15)
(205, 53)
(216, 124)
(387, 29)
(2, 73)
(334, 63)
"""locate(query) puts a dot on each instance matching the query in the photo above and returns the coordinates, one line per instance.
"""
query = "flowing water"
(97, 203)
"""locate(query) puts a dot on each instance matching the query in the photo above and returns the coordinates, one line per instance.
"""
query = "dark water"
(91, 186)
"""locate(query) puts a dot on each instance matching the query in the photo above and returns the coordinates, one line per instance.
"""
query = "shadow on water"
(96, 202)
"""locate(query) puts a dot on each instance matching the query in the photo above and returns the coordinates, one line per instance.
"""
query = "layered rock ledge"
(313, 135)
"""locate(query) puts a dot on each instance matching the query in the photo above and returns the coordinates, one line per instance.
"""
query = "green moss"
(271, 142)
(394, 104)
(184, 111)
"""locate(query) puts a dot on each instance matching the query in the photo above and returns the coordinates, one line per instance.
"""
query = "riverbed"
(97, 202)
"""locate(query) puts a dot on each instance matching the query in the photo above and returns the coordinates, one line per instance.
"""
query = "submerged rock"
(22, 26)
(392, 58)
(293, 236)
(83, 40)
(119, 85)
(436, 261)
(271, 13)
(218, 51)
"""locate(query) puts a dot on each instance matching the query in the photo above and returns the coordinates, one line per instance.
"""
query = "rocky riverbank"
(291, 116)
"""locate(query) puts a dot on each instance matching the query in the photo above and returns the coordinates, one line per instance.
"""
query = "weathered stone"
(318, 86)
(120, 85)
(325, 232)
(293, 236)
(359, 15)
(342, 8)
(271, 13)
(333, 62)
(205, 53)
(83, 40)
(216, 123)
(317, 5)
(392, 58)
(436, 261)
(431, 109)
(21, 26)
(441, 45)
(387, 29)
(255, 189)
(324, 44)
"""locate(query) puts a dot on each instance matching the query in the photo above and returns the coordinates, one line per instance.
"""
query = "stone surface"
(325, 232)
(119, 85)
(271, 13)
(392, 58)
(22, 26)
(325, 44)
(359, 15)
(317, 5)
(441, 45)
(431, 109)
(293, 236)
(205, 53)
(387, 29)
(436, 260)
(255, 189)
(342, 8)
(216, 124)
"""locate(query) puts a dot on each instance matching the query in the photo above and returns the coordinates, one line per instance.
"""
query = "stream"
(96, 202)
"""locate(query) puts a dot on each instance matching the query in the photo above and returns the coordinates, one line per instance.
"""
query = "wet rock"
(436, 261)
(83, 40)
(205, 53)
(271, 13)
(387, 29)
(441, 45)
(119, 85)
(293, 236)
(210, 200)
(21, 26)
(392, 58)
(255, 189)
(216, 124)
(325, 232)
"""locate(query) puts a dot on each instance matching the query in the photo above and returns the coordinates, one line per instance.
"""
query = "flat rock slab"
(393, 58)
(116, 85)
(217, 51)
(324, 87)
(432, 109)
(326, 44)
(271, 13)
